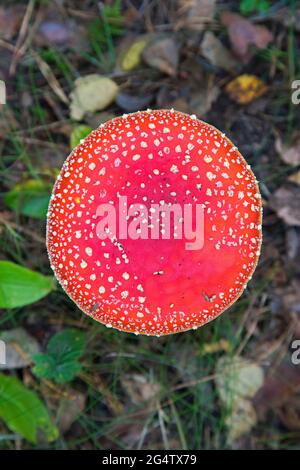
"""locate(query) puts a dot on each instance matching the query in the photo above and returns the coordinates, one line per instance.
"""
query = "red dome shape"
(149, 271)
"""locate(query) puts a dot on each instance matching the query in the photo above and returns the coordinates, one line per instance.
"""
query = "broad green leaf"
(23, 412)
(20, 286)
(30, 198)
(61, 361)
(79, 133)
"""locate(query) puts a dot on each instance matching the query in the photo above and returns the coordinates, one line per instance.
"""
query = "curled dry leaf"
(285, 202)
(246, 88)
(162, 54)
(195, 14)
(217, 54)
(243, 34)
(92, 93)
(20, 347)
(289, 154)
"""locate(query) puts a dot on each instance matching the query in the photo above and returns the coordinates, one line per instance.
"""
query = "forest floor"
(234, 65)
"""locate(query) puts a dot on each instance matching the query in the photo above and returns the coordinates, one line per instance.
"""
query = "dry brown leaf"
(246, 88)
(69, 409)
(243, 34)
(279, 393)
(289, 414)
(195, 14)
(202, 100)
(286, 203)
(162, 54)
(139, 388)
(289, 154)
(217, 54)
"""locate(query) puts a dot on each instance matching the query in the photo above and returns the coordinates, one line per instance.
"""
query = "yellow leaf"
(132, 56)
(246, 88)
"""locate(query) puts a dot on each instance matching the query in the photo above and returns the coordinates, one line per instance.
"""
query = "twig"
(50, 77)
(22, 34)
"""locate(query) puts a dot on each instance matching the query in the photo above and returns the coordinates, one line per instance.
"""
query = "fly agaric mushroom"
(143, 284)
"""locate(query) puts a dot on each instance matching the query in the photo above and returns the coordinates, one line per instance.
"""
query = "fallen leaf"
(139, 388)
(131, 58)
(91, 93)
(162, 54)
(289, 154)
(237, 377)
(285, 202)
(246, 88)
(243, 34)
(289, 413)
(237, 381)
(295, 178)
(20, 347)
(202, 101)
(217, 54)
(241, 419)
(132, 103)
(195, 14)
(69, 409)
(290, 296)
(279, 394)
(292, 243)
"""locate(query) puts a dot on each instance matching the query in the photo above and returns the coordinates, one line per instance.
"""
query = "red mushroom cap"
(155, 286)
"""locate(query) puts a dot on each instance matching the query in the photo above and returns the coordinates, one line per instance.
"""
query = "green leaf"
(78, 133)
(249, 6)
(30, 198)
(61, 361)
(23, 412)
(20, 286)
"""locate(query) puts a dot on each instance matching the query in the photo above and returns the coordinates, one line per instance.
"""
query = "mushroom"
(126, 276)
